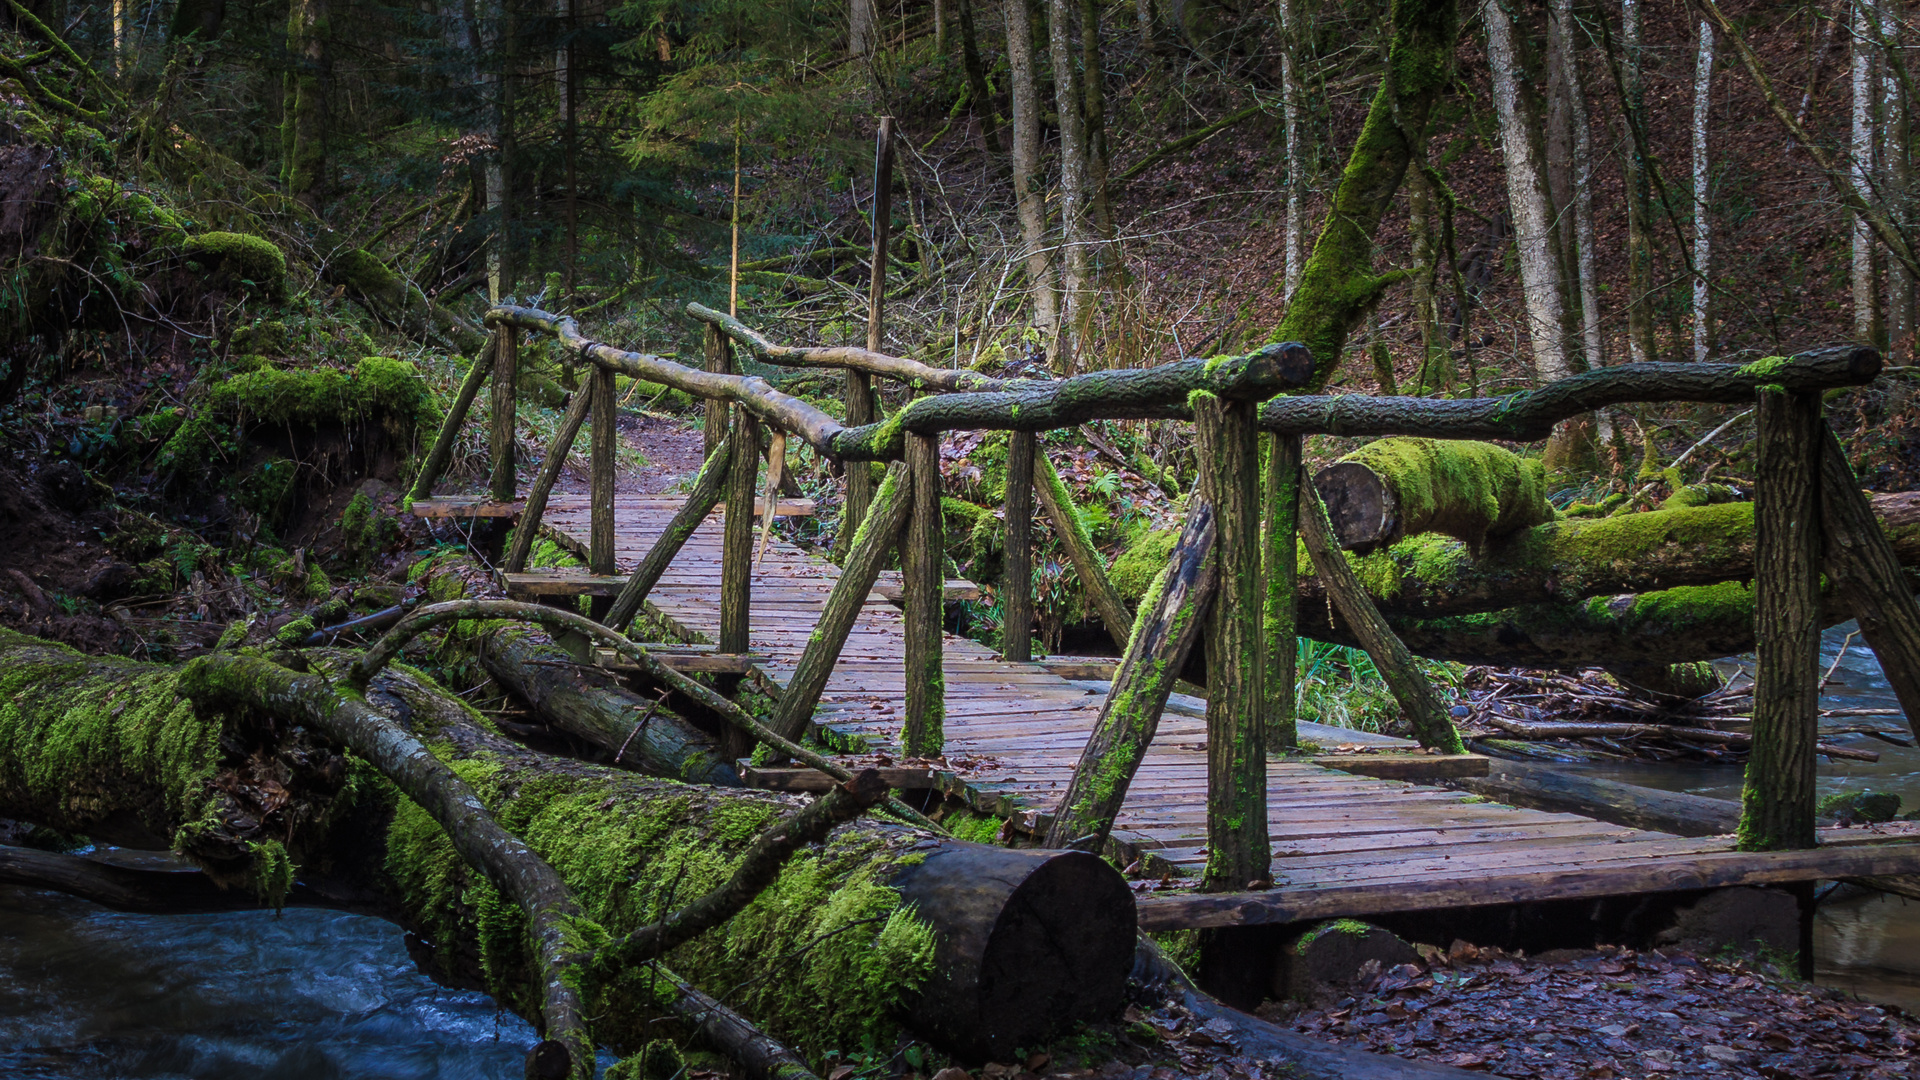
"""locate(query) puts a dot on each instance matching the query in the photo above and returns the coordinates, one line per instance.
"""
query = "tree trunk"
(1777, 798)
(863, 33)
(1702, 231)
(1093, 88)
(1533, 216)
(1895, 184)
(249, 789)
(1076, 308)
(502, 446)
(1280, 582)
(1292, 122)
(1633, 111)
(1171, 618)
(1867, 323)
(1238, 851)
(1028, 181)
(1016, 581)
(1591, 335)
(977, 80)
(303, 169)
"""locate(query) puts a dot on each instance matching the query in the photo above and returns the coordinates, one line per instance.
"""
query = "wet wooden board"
(1351, 834)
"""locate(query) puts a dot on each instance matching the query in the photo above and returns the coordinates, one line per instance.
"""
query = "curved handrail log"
(913, 373)
(1532, 414)
(757, 395)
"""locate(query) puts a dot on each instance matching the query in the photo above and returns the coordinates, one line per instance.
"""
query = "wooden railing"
(1230, 580)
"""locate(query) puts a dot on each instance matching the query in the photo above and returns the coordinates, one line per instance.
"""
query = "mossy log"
(882, 924)
(396, 301)
(912, 373)
(1071, 529)
(1399, 487)
(1531, 415)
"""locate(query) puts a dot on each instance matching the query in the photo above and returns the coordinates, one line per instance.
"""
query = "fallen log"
(1393, 488)
(1542, 787)
(268, 808)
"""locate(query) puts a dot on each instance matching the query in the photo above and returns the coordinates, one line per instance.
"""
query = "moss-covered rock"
(231, 258)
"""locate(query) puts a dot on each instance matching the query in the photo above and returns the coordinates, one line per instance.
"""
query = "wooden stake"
(500, 441)
(443, 444)
(736, 559)
(1866, 574)
(606, 437)
(776, 460)
(1279, 577)
(1087, 563)
(923, 555)
(859, 388)
(1423, 709)
(1238, 852)
(1777, 799)
(1170, 622)
(707, 489)
(719, 359)
(878, 536)
(556, 459)
(1016, 579)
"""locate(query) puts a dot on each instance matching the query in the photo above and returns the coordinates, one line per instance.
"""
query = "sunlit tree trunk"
(1076, 308)
(1640, 343)
(499, 168)
(1540, 277)
(1702, 228)
(1867, 325)
(1028, 198)
(1290, 123)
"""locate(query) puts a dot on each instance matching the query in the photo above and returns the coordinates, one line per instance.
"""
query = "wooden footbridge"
(1271, 839)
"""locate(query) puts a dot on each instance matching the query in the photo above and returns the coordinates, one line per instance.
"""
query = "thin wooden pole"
(708, 486)
(1016, 582)
(1867, 576)
(736, 558)
(923, 555)
(1395, 662)
(556, 459)
(606, 437)
(1777, 798)
(1087, 563)
(1280, 574)
(442, 451)
(1238, 851)
(878, 536)
(500, 443)
(1171, 619)
(719, 359)
(859, 384)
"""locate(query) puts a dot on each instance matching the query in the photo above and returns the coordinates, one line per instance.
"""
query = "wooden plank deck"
(1343, 843)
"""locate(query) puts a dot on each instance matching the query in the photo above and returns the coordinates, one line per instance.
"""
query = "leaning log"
(1394, 488)
(105, 747)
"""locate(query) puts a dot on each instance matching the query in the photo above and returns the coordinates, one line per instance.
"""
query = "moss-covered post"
(500, 439)
(443, 444)
(879, 535)
(528, 527)
(1777, 799)
(1172, 615)
(1866, 574)
(859, 389)
(1396, 663)
(1280, 582)
(1238, 853)
(923, 558)
(1074, 535)
(1016, 578)
(719, 359)
(606, 438)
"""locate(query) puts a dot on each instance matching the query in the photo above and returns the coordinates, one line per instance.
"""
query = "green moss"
(975, 828)
(658, 1060)
(1467, 490)
(1766, 367)
(246, 260)
(273, 872)
(1132, 574)
(1353, 927)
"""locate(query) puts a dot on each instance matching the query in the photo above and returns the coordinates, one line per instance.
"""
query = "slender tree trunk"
(1028, 196)
(1076, 308)
(1867, 324)
(1436, 356)
(304, 168)
(1094, 93)
(1527, 193)
(1592, 338)
(1897, 175)
(499, 164)
(862, 30)
(1291, 122)
(977, 79)
(1702, 229)
(939, 27)
(1640, 341)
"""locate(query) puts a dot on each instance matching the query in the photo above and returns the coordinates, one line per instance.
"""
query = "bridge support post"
(924, 580)
(442, 451)
(708, 487)
(1280, 581)
(500, 441)
(1777, 799)
(718, 354)
(1239, 854)
(606, 438)
(1016, 581)
(736, 554)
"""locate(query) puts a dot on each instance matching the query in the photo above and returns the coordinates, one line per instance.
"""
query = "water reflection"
(307, 995)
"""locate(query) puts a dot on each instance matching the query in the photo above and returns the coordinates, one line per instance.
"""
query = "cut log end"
(1027, 947)
(1362, 507)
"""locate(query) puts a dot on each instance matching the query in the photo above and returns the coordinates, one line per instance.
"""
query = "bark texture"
(923, 581)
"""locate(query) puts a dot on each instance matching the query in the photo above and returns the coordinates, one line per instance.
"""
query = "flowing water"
(305, 995)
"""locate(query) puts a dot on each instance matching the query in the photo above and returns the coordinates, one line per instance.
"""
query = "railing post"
(500, 443)
(442, 451)
(606, 437)
(1016, 580)
(1777, 806)
(736, 552)
(859, 383)
(1239, 854)
(924, 579)
(1280, 578)
(556, 460)
(719, 359)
